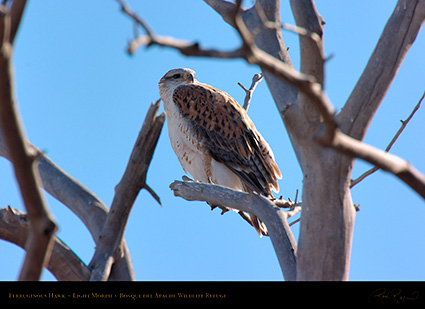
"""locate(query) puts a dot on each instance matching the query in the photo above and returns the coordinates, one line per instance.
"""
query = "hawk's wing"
(229, 135)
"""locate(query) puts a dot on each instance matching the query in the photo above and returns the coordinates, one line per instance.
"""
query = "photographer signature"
(395, 295)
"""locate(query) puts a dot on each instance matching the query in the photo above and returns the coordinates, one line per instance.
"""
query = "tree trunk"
(328, 213)
(328, 216)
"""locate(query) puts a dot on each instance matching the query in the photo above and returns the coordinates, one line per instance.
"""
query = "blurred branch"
(43, 228)
(109, 247)
(16, 11)
(273, 217)
(64, 264)
(390, 145)
(256, 79)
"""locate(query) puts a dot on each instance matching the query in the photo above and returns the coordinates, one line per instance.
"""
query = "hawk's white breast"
(184, 142)
(192, 156)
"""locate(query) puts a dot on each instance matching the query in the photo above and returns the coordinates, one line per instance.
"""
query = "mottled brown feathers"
(228, 134)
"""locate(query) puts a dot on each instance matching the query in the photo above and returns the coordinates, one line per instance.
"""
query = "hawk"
(214, 138)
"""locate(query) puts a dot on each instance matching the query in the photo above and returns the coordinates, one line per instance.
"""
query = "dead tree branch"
(404, 124)
(109, 248)
(81, 201)
(387, 162)
(43, 228)
(274, 217)
(16, 11)
(395, 41)
(256, 79)
(63, 263)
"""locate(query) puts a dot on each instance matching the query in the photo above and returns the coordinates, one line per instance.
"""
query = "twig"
(109, 248)
(293, 212)
(293, 28)
(43, 228)
(386, 161)
(185, 47)
(294, 222)
(274, 218)
(390, 145)
(256, 79)
(136, 18)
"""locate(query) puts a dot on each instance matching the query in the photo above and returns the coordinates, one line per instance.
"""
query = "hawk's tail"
(256, 224)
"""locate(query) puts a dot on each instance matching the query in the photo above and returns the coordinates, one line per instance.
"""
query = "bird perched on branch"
(214, 138)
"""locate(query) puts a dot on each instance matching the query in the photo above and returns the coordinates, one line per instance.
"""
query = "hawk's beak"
(189, 77)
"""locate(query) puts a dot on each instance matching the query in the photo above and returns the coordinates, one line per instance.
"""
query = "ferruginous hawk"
(214, 138)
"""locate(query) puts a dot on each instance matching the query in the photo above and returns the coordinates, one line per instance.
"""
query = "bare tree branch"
(63, 263)
(396, 39)
(88, 207)
(109, 248)
(274, 218)
(43, 228)
(390, 145)
(307, 17)
(16, 11)
(226, 9)
(386, 161)
(184, 47)
(256, 79)
(270, 40)
(136, 18)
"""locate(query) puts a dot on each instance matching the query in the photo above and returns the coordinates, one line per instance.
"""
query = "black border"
(167, 293)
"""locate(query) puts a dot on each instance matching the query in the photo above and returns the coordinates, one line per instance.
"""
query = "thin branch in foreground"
(136, 18)
(273, 217)
(390, 145)
(256, 79)
(184, 47)
(43, 228)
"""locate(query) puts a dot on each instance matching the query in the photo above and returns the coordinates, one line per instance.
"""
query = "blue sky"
(83, 101)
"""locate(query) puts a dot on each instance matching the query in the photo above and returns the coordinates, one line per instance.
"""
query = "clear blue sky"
(83, 101)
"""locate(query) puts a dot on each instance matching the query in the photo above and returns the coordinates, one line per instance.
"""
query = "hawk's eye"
(175, 76)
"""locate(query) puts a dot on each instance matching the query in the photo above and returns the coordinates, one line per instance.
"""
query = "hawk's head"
(176, 77)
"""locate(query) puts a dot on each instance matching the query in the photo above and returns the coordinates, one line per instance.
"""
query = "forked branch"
(256, 79)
